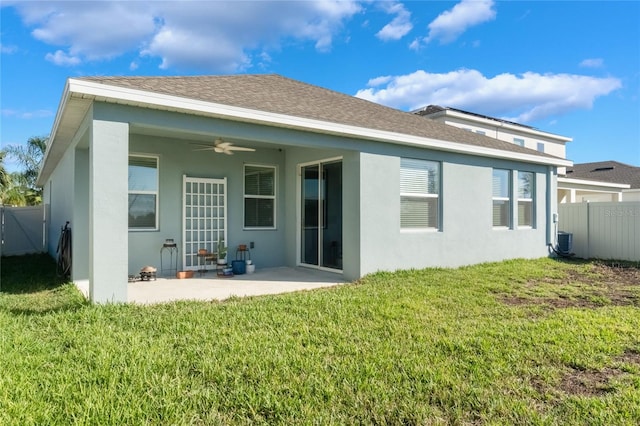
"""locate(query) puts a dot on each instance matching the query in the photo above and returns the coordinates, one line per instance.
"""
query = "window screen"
(419, 193)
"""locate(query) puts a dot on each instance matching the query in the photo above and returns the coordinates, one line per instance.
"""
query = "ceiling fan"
(222, 147)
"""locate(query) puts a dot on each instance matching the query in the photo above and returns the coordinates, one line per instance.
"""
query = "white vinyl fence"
(22, 230)
(603, 230)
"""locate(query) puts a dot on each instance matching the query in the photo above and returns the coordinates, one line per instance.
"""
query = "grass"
(487, 344)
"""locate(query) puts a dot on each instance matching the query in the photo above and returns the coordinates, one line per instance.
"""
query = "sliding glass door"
(321, 215)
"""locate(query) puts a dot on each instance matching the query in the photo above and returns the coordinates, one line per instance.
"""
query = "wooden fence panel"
(603, 230)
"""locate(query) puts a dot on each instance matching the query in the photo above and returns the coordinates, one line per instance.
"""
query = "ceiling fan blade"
(240, 148)
(221, 147)
(202, 145)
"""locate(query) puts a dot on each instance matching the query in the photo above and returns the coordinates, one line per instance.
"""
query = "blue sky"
(571, 68)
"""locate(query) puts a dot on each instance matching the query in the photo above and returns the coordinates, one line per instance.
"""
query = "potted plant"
(222, 252)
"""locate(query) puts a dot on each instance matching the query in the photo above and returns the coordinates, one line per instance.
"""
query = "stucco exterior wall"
(372, 237)
(350, 203)
(466, 235)
(58, 193)
(177, 158)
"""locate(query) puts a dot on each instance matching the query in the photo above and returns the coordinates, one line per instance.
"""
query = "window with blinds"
(501, 198)
(525, 199)
(419, 194)
(143, 192)
(259, 197)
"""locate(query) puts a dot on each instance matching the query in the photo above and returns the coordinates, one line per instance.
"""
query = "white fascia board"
(570, 181)
(54, 129)
(140, 97)
(500, 124)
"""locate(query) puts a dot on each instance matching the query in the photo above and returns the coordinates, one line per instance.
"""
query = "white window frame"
(156, 192)
(272, 197)
(529, 200)
(424, 195)
(518, 141)
(540, 147)
(507, 199)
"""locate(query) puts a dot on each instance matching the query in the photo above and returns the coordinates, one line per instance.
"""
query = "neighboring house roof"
(277, 101)
(606, 171)
(435, 111)
(432, 109)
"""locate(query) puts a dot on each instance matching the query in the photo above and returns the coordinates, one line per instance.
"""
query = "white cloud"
(378, 81)
(592, 63)
(214, 36)
(521, 98)
(399, 26)
(91, 29)
(7, 49)
(26, 115)
(449, 25)
(62, 59)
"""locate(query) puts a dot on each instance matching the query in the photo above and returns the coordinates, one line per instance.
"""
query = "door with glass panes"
(321, 214)
(204, 219)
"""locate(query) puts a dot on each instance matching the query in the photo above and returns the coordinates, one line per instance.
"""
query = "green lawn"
(518, 342)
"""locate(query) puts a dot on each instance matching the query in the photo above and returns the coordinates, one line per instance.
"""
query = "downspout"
(551, 206)
(588, 230)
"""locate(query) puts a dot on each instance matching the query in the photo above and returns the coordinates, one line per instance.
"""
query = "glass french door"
(321, 215)
(204, 217)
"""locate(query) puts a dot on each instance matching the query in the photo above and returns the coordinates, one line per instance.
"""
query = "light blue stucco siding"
(465, 235)
(295, 157)
(108, 183)
(66, 194)
(177, 158)
(58, 194)
(173, 141)
(82, 187)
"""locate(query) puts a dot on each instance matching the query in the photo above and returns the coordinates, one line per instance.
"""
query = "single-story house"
(317, 179)
(599, 181)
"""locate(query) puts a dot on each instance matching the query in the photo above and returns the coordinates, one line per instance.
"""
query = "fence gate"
(22, 230)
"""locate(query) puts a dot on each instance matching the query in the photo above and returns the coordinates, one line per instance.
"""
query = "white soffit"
(570, 181)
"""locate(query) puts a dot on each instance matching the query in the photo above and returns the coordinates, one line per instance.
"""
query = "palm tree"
(4, 176)
(22, 189)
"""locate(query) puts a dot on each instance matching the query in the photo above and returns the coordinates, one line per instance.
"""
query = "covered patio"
(211, 287)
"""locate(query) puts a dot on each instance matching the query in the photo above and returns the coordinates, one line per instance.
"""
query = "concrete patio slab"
(211, 287)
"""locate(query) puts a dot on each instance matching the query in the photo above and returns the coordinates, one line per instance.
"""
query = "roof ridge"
(139, 77)
(596, 163)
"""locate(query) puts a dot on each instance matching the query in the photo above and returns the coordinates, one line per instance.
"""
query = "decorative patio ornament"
(148, 272)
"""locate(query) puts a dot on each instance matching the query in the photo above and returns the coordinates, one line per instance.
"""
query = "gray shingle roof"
(277, 94)
(606, 171)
